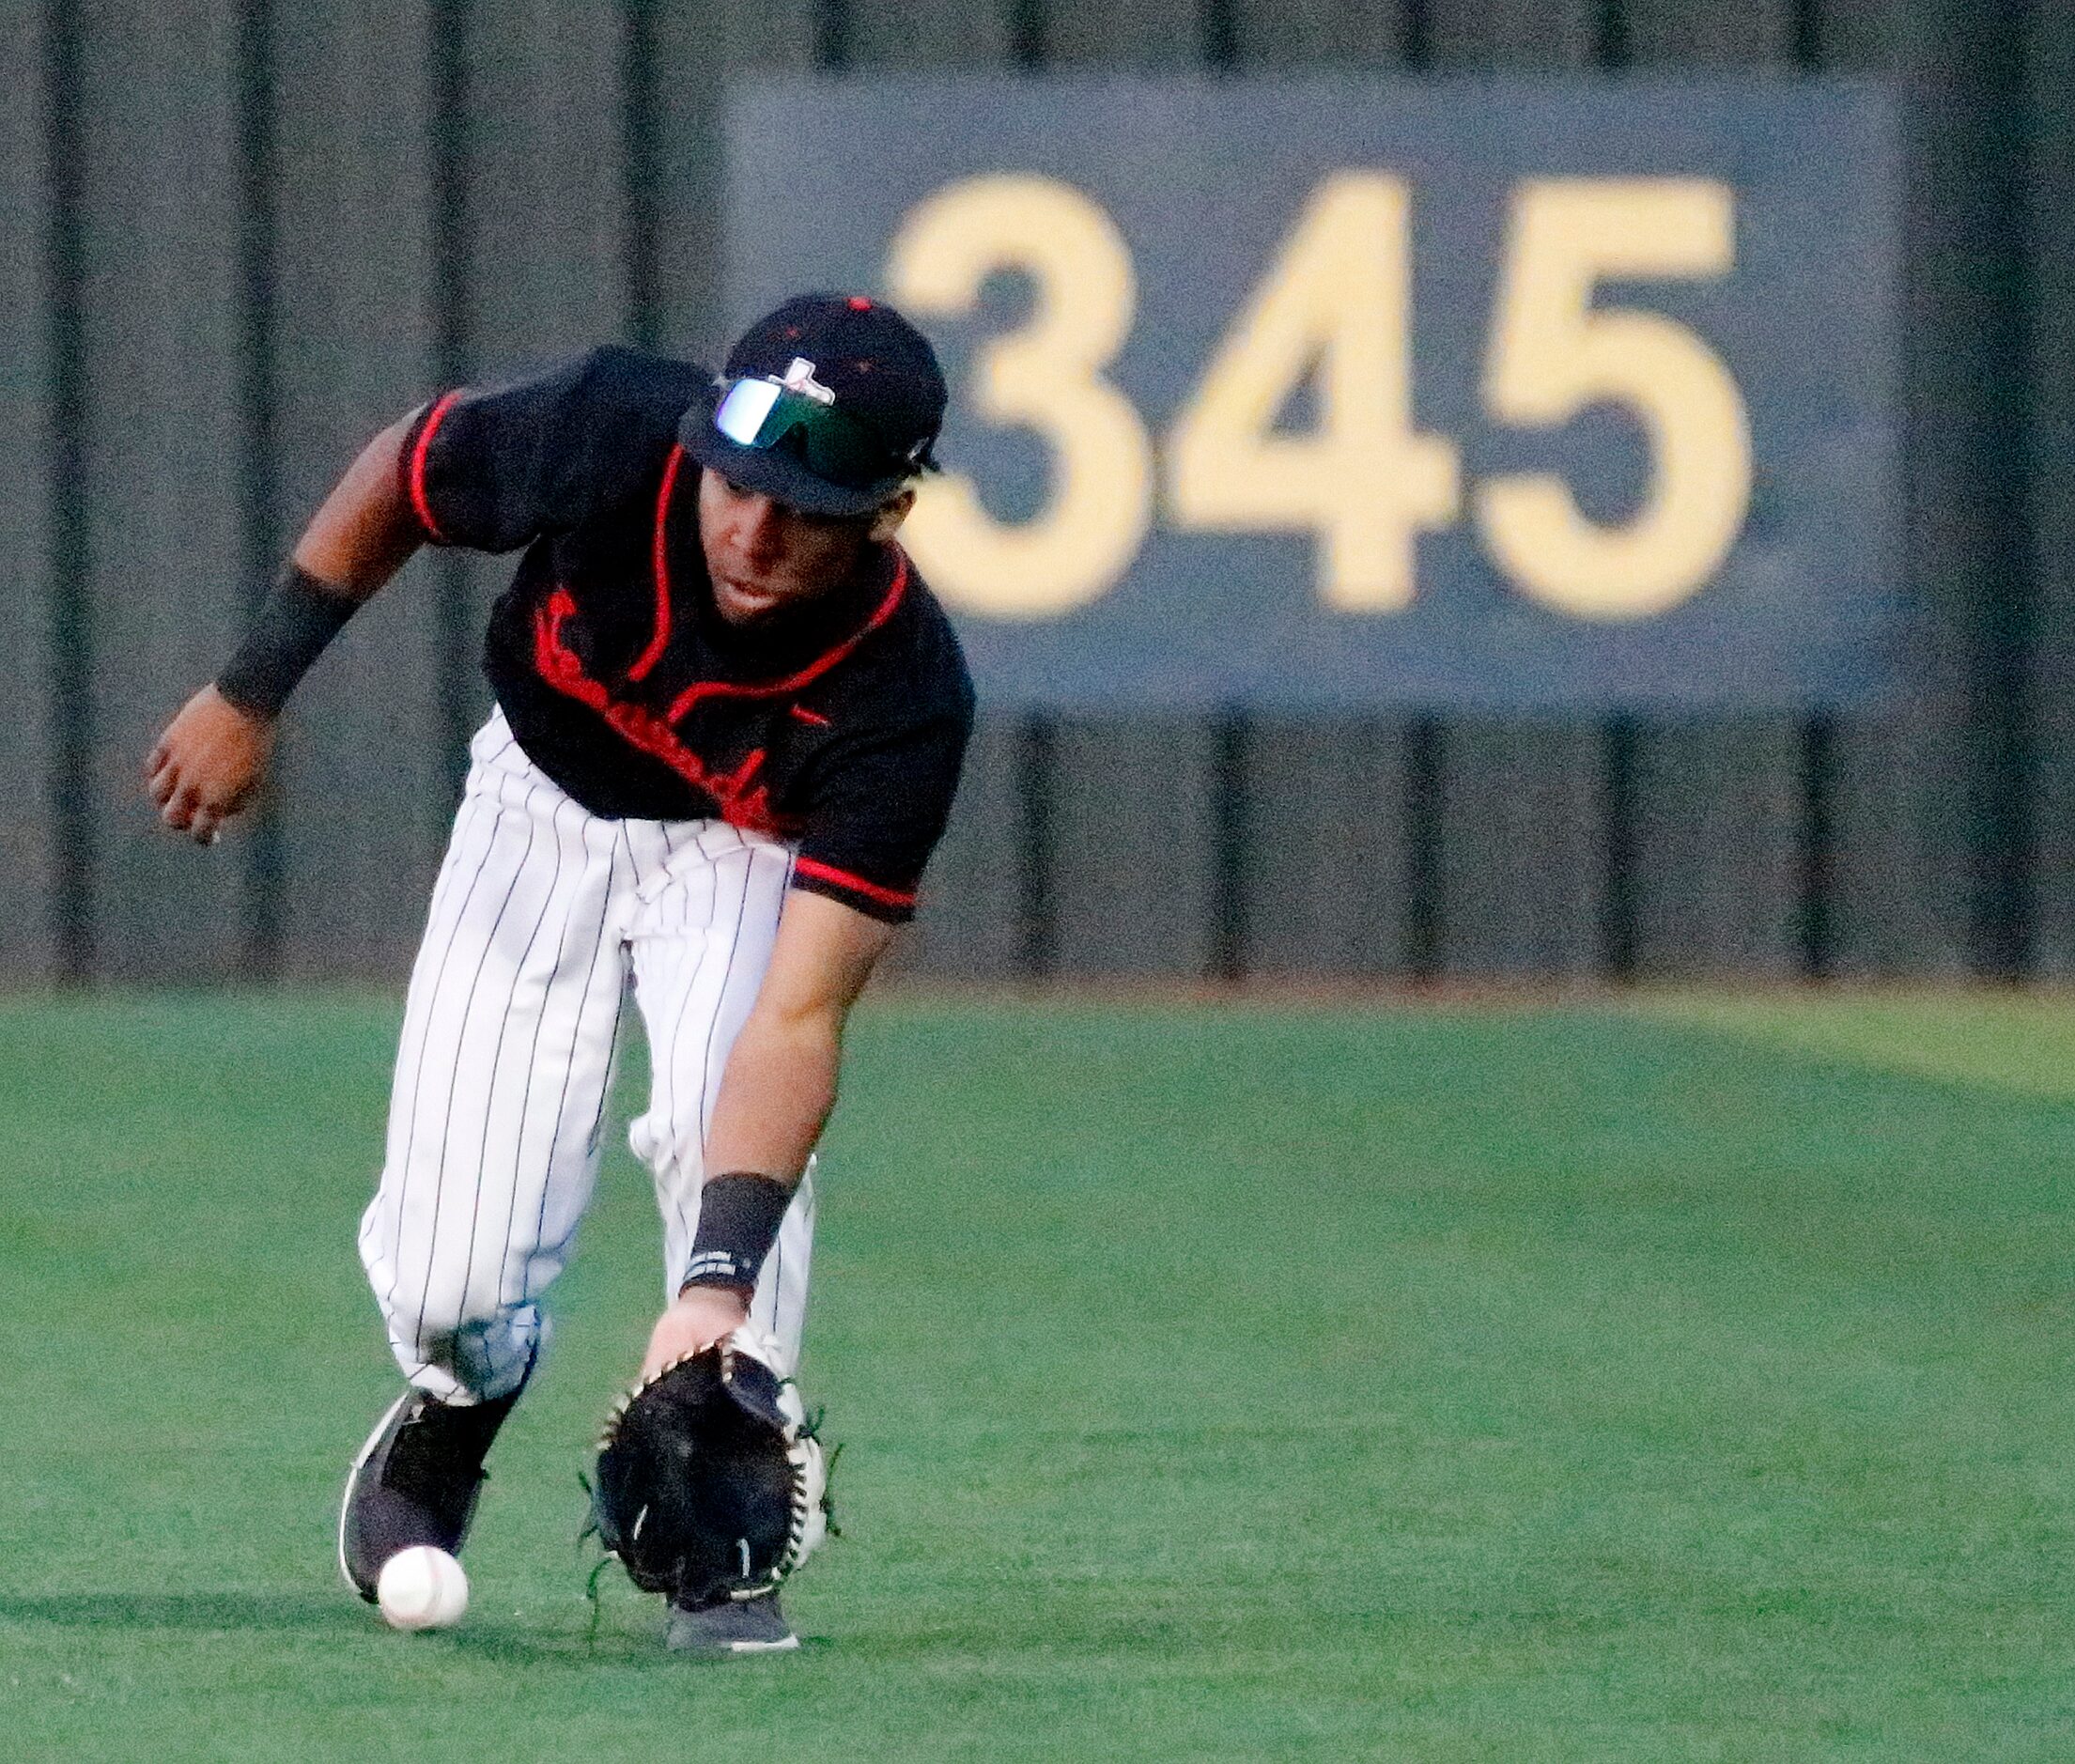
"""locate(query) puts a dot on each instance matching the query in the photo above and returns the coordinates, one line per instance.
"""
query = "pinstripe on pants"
(542, 916)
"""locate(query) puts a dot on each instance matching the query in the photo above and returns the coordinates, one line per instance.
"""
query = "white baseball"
(422, 1589)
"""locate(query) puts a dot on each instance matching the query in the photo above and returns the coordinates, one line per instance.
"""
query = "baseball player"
(729, 725)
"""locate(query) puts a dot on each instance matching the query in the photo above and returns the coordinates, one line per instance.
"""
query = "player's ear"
(887, 520)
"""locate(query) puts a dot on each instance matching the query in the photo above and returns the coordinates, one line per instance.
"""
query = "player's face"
(765, 555)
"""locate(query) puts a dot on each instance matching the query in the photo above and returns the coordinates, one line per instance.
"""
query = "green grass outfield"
(1682, 1379)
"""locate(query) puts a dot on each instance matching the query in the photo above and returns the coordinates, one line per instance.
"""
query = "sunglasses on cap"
(799, 412)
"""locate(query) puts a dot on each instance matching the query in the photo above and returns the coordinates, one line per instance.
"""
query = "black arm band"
(288, 633)
(739, 1215)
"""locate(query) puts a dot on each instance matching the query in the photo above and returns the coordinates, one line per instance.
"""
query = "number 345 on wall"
(1337, 304)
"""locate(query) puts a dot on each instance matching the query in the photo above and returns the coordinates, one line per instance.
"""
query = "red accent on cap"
(857, 303)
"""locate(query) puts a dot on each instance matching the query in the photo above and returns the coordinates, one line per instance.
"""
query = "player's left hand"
(207, 765)
(709, 1481)
(701, 1316)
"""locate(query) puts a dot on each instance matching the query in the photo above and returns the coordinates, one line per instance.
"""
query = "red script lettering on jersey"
(743, 802)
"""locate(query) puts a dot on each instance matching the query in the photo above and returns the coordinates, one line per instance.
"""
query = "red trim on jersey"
(742, 802)
(815, 670)
(420, 505)
(654, 653)
(843, 878)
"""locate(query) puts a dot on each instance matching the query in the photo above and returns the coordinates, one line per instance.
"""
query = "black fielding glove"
(710, 1482)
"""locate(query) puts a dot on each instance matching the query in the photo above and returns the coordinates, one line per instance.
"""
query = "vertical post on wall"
(1415, 40)
(1613, 50)
(1818, 845)
(1617, 942)
(1806, 29)
(72, 659)
(2049, 240)
(1901, 895)
(1612, 47)
(1037, 905)
(1423, 801)
(259, 940)
(832, 34)
(1227, 951)
(449, 156)
(2004, 616)
(641, 170)
(1027, 34)
(1819, 760)
(1229, 806)
(29, 735)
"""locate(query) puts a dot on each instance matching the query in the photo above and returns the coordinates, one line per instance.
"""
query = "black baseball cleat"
(727, 1628)
(415, 1481)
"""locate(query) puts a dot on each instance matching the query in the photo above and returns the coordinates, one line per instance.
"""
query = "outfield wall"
(242, 236)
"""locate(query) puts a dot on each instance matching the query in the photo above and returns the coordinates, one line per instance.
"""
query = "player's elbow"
(806, 1043)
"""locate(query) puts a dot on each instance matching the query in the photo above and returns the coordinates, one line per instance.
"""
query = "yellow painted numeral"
(1046, 376)
(1337, 304)
(1553, 353)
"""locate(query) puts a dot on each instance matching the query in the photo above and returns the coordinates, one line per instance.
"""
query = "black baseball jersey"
(839, 726)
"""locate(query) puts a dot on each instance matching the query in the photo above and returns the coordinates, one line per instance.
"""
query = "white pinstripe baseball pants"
(543, 916)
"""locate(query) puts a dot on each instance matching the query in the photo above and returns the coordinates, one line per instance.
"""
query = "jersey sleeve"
(877, 815)
(493, 467)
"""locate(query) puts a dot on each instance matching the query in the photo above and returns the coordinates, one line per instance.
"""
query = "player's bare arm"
(213, 755)
(779, 1086)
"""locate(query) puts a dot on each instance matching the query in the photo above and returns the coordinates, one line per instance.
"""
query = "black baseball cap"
(831, 403)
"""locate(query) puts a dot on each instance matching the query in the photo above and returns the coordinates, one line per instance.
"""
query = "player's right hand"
(207, 765)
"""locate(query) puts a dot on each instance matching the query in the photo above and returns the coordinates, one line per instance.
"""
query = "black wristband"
(738, 1217)
(288, 632)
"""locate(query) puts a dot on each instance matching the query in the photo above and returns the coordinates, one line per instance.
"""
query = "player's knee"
(485, 1348)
